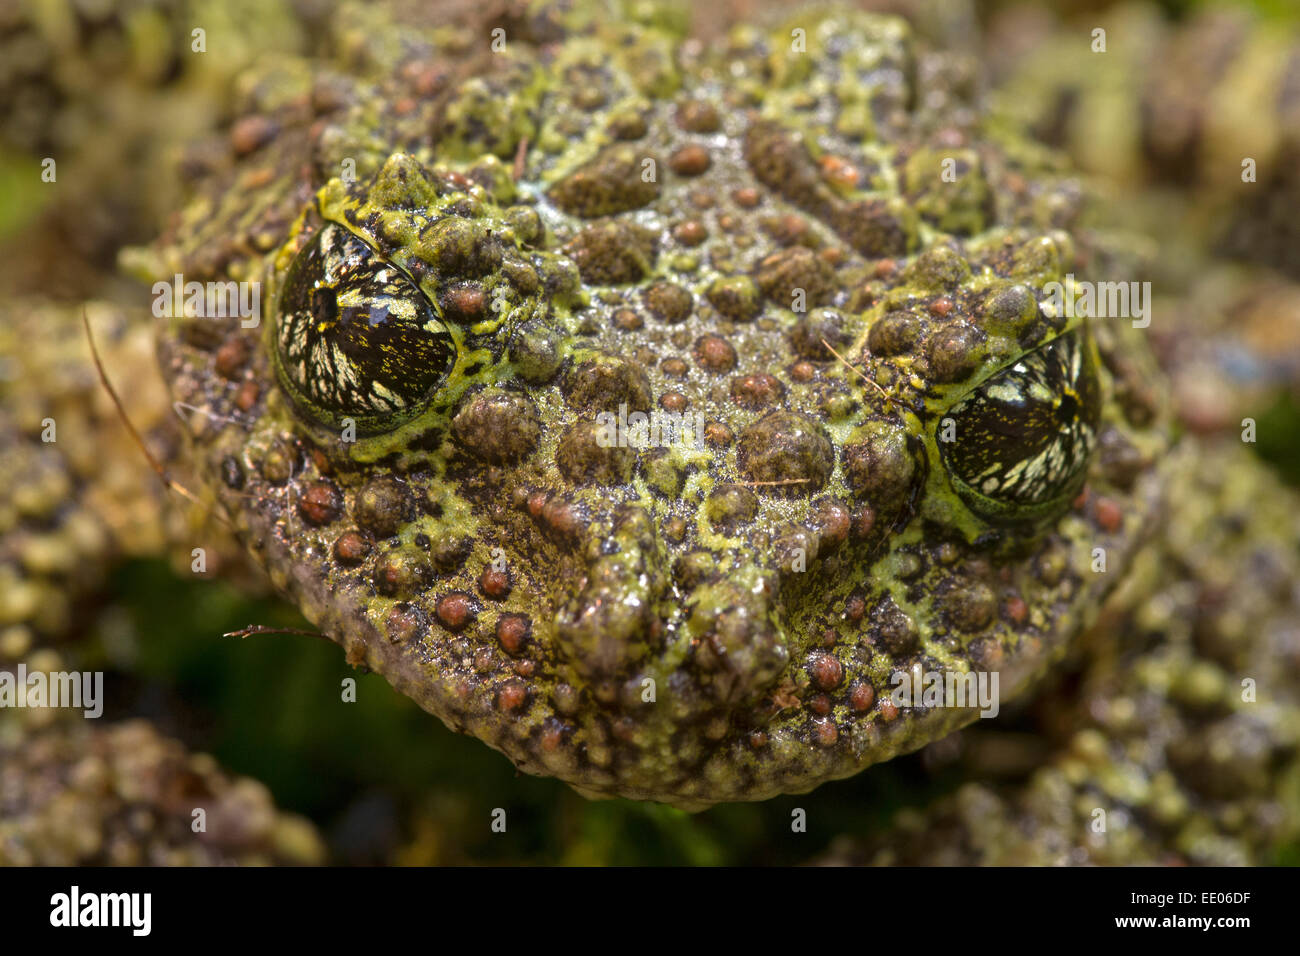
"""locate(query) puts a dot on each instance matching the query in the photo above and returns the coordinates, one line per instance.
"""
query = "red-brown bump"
(698, 116)
(803, 371)
(404, 623)
(536, 503)
(941, 306)
(247, 396)
(628, 320)
(455, 610)
(826, 732)
(232, 356)
(855, 607)
(690, 233)
(512, 696)
(789, 229)
(864, 519)
(462, 688)
(987, 654)
(715, 354)
(832, 522)
(819, 704)
(888, 709)
(674, 367)
(756, 391)
(562, 518)
(321, 461)
(425, 78)
(623, 728)
(250, 132)
(746, 197)
(840, 171)
(758, 740)
(513, 631)
(702, 199)
(861, 696)
(552, 736)
(494, 583)
(1109, 515)
(467, 302)
(690, 160)
(256, 179)
(1015, 609)
(825, 670)
(673, 402)
(351, 547)
(718, 435)
(321, 503)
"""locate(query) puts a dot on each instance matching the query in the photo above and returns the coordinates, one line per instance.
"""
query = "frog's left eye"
(355, 338)
(1022, 439)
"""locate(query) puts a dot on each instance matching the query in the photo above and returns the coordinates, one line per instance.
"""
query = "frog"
(488, 264)
(415, 431)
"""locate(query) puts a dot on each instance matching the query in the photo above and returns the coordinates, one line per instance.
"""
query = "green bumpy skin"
(601, 217)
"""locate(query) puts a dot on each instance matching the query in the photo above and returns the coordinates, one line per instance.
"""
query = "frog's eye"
(355, 338)
(1021, 440)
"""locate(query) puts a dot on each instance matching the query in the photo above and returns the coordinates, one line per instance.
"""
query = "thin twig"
(178, 405)
(520, 154)
(267, 629)
(154, 463)
(872, 382)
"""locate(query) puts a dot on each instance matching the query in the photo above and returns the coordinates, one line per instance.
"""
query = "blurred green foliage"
(1276, 431)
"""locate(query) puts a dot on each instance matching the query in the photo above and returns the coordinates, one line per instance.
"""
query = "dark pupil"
(324, 306)
(1069, 409)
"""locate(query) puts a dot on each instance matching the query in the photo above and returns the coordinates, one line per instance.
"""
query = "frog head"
(657, 458)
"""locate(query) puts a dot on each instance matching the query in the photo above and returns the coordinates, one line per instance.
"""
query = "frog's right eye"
(355, 338)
